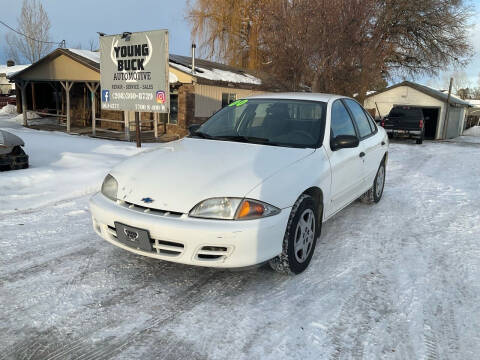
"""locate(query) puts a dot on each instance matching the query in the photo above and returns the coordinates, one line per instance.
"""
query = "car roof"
(299, 96)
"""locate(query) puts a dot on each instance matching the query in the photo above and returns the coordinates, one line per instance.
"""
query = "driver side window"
(341, 121)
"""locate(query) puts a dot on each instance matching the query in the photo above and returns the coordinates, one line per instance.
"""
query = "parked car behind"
(12, 156)
(252, 184)
(405, 121)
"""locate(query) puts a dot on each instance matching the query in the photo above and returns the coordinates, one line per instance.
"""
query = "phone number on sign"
(132, 96)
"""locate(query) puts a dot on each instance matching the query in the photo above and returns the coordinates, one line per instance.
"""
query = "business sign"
(134, 72)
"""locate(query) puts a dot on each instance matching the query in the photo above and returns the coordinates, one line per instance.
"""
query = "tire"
(419, 141)
(19, 160)
(300, 237)
(374, 195)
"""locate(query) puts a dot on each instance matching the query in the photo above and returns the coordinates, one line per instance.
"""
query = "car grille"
(147, 210)
(160, 247)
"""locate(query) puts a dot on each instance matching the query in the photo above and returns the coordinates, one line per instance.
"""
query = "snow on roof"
(11, 70)
(475, 103)
(90, 55)
(214, 74)
(220, 75)
(438, 94)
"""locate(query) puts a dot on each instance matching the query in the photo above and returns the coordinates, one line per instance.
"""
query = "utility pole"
(447, 111)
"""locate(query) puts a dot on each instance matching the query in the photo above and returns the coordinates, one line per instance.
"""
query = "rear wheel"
(300, 238)
(420, 141)
(375, 193)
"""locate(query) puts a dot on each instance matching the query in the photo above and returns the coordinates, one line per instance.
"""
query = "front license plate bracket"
(133, 237)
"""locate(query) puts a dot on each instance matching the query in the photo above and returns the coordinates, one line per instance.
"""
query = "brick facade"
(186, 111)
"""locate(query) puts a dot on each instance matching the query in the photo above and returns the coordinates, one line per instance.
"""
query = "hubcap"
(380, 181)
(304, 235)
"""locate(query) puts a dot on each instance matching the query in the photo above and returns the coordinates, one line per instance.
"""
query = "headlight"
(110, 187)
(233, 209)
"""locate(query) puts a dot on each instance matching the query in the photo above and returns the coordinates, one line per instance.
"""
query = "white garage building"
(432, 102)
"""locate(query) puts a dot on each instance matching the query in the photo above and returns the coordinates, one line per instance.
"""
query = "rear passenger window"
(360, 118)
(371, 121)
(341, 121)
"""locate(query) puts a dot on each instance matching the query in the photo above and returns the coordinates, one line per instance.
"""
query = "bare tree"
(228, 29)
(93, 45)
(33, 42)
(340, 46)
(462, 84)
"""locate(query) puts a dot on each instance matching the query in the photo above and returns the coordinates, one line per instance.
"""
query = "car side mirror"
(192, 129)
(345, 142)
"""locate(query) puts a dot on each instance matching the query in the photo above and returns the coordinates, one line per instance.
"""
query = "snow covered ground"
(397, 280)
(61, 166)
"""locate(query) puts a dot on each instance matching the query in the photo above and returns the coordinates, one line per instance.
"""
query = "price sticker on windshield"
(238, 103)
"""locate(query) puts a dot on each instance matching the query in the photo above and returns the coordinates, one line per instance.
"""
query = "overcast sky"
(78, 22)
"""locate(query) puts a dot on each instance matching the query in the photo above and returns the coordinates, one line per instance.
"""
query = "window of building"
(173, 109)
(227, 99)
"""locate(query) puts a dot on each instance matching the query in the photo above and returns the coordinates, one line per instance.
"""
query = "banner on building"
(134, 72)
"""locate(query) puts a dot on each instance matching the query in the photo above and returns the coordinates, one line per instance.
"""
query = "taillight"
(421, 124)
(383, 123)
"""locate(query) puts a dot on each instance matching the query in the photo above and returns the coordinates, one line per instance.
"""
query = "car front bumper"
(191, 241)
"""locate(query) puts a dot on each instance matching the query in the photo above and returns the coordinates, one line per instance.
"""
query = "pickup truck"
(407, 121)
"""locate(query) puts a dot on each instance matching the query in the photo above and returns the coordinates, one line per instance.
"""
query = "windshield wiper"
(203, 135)
(246, 139)
(242, 138)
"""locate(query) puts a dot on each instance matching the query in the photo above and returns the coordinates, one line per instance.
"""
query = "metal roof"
(208, 71)
(437, 94)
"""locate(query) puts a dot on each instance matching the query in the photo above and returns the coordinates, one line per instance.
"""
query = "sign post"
(134, 73)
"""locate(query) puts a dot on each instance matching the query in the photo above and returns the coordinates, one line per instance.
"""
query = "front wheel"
(300, 238)
(375, 193)
(18, 159)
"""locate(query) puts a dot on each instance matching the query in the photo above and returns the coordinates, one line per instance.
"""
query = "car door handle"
(362, 154)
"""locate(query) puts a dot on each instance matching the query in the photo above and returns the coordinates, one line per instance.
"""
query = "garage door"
(454, 122)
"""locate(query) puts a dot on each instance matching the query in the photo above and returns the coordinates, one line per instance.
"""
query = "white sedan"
(252, 184)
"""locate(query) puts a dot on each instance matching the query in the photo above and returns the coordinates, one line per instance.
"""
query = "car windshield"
(268, 121)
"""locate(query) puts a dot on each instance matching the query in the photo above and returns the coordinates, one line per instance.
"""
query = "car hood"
(178, 175)
(8, 141)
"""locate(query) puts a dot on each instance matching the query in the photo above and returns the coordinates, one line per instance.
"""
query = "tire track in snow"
(356, 312)
(82, 347)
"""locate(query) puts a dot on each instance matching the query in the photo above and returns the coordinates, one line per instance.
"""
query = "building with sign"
(9, 69)
(65, 84)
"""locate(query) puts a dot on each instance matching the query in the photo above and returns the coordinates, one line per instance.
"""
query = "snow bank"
(62, 167)
(30, 116)
(473, 131)
(8, 110)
